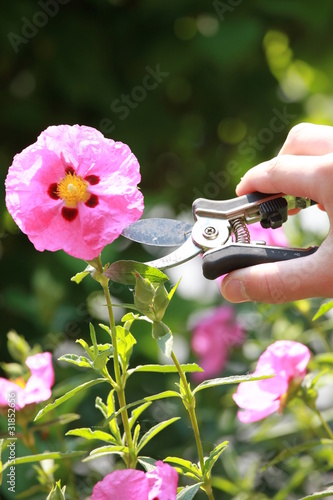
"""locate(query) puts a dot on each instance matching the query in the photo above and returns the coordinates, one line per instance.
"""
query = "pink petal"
(7, 389)
(38, 386)
(127, 484)
(287, 358)
(251, 395)
(163, 481)
(248, 416)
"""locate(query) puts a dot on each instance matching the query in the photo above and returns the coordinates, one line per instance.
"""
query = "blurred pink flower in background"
(273, 237)
(131, 484)
(74, 190)
(38, 386)
(288, 361)
(213, 335)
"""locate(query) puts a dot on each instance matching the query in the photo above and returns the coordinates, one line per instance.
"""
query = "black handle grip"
(237, 256)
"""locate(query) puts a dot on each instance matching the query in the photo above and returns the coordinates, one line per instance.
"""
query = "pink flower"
(288, 361)
(74, 190)
(131, 484)
(213, 335)
(36, 389)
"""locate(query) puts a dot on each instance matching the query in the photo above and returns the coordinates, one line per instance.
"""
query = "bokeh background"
(201, 91)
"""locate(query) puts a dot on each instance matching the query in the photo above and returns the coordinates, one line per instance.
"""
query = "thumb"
(279, 282)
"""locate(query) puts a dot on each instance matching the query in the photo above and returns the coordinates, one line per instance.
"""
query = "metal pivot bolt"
(210, 232)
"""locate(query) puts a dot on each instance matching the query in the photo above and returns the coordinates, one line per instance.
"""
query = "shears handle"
(221, 261)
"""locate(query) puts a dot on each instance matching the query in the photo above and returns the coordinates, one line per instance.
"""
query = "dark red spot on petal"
(92, 201)
(92, 179)
(69, 170)
(69, 214)
(53, 191)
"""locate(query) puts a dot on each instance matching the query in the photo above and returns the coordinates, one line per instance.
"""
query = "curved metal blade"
(158, 232)
(186, 252)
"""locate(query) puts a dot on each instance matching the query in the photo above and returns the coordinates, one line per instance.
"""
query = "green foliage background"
(226, 70)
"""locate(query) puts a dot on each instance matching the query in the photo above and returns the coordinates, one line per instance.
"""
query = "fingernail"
(234, 291)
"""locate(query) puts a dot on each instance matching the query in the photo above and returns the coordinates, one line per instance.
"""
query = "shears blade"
(186, 252)
(159, 232)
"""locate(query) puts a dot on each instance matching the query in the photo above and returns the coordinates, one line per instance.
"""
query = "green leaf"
(214, 455)
(325, 358)
(154, 397)
(57, 492)
(88, 433)
(188, 492)
(187, 368)
(223, 484)
(161, 302)
(136, 435)
(147, 463)
(102, 358)
(320, 494)
(18, 347)
(113, 424)
(74, 359)
(85, 346)
(185, 467)
(323, 309)
(80, 276)
(162, 395)
(93, 339)
(125, 343)
(159, 330)
(101, 406)
(106, 450)
(68, 396)
(55, 455)
(61, 420)
(173, 289)
(295, 450)
(135, 414)
(154, 431)
(165, 343)
(233, 379)
(123, 271)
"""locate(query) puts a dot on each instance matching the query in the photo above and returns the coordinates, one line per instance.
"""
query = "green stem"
(324, 423)
(120, 385)
(190, 407)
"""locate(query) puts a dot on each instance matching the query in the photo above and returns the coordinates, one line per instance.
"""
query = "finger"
(307, 176)
(280, 282)
(308, 139)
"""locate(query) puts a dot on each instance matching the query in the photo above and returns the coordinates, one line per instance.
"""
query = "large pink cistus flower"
(36, 389)
(287, 360)
(214, 333)
(74, 190)
(131, 484)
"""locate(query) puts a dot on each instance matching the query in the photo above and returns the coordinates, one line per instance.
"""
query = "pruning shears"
(220, 233)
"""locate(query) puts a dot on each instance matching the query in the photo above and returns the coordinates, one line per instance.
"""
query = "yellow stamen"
(20, 381)
(73, 188)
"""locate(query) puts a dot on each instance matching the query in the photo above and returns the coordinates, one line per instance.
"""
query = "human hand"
(303, 167)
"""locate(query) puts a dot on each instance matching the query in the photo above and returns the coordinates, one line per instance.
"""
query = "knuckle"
(296, 132)
(273, 165)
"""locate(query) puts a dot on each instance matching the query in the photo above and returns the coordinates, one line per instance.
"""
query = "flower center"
(20, 382)
(72, 189)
